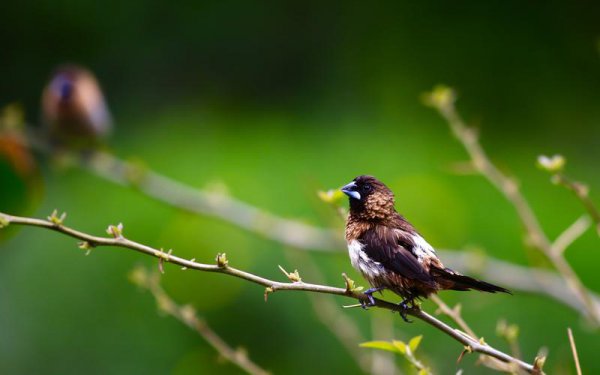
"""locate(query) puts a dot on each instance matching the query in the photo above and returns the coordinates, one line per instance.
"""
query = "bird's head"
(369, 198)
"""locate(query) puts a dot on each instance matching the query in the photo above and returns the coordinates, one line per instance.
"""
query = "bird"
(389, 252)
(74, 111)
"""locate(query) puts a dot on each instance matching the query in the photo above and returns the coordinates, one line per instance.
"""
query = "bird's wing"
(393, 250)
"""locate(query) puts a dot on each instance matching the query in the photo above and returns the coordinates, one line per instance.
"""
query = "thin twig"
(443, 99)
(454, 314)
(188, 316)
(574, 350)
(212, 203)
(581, 191)
(271, 286)
(569, 235)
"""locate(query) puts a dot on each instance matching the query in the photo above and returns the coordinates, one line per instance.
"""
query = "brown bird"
(73, 108)
(387, 250)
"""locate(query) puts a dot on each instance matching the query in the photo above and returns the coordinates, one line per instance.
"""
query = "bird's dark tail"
(456, 281)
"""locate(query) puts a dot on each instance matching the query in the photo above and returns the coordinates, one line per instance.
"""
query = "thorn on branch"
(538, 364)
(55, 219)
(87, 246)
(268, 290)
(292, 276)
(162, 256)
(115, 231)
(468, 349)
(222, 260)
(352, 306)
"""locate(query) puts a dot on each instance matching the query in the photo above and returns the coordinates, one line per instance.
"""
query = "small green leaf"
(84, 245)
(3, 222)
(413, 344)
(440, 97)
(552, 164)
(292, 276)
(330, 196)
(400, 345)
(295, 277)
(87, 246)
(115, 231)
(222, 260)
(55, 219)
(381, 345)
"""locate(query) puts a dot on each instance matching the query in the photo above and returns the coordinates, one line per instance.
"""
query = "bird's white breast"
(369, 268)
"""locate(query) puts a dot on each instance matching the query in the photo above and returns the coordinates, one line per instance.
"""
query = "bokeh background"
(276, 100)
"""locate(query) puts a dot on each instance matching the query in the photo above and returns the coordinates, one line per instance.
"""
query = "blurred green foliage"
(278, 101)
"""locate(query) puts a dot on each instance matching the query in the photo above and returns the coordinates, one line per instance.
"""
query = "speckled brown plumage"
(387, 250)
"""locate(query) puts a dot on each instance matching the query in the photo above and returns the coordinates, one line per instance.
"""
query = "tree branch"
(118, 240)
(204, 202)
(443, 100)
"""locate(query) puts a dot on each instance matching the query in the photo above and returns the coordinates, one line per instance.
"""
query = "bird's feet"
(369, 292)
(404, 306)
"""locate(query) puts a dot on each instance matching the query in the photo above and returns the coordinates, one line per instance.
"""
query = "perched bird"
(74, 111)
(388, 251)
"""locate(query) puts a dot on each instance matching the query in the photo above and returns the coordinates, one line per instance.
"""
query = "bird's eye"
(367, 188)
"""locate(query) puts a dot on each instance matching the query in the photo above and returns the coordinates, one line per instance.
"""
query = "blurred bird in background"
(74, 113)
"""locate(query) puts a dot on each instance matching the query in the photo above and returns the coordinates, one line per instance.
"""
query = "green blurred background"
(277, 100)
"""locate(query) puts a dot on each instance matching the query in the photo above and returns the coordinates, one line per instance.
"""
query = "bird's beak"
(350, 191)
